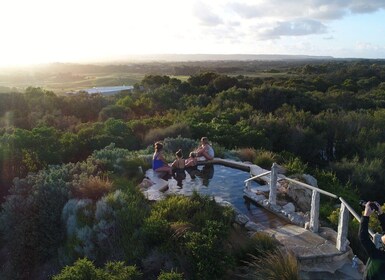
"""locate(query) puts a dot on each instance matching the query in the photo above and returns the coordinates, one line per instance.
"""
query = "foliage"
(195, 227)
(323, 117)
(173, 275)
(107, 229)
(205, 250)
(247, 154)
(265, 159)
(85, 269)
(31, 214)
(295, 166)
(187, 145)
(92, 187)
(175, 130)
(278, 264)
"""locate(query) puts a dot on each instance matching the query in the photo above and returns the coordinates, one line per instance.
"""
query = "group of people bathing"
(178, 167)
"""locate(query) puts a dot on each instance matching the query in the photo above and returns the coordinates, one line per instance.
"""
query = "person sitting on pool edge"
(205, 149)
(159, 164)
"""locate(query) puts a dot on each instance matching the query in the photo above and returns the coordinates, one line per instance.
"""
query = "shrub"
(109, 229)
(85, 269)
(196, 209)
(278, 264)
(173, 275)
(93, 187)
(195, 228)
(265, 159)
(264, 243)
(247, 154)
(175, 130)
(295, 166)
(78, 217)
(206, 252)
(187, 145)
(119, 228)
(132, 168)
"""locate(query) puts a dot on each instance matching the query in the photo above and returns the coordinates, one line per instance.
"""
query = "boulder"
(251, 226)
(241, 219)
(146, 183)
(289, 208)
(301, 196)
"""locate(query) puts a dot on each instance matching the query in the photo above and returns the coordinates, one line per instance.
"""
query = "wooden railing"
(342, 241)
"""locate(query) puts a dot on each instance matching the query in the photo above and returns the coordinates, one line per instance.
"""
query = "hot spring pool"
(226, 183)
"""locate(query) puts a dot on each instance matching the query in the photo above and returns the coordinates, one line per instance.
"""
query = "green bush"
(295, 166)
(173, 275)
(196, 209)
(195, 228)
(31, 215)
(156, 230)
(85, 269)
(175, 130)
(171, 145)
(265, 159)
(206, 252)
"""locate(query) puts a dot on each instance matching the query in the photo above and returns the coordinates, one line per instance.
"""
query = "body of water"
(226, 183)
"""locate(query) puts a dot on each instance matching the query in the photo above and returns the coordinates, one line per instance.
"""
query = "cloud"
(329, 38)
(363, 7)
(205, 15)
(247, 11)
(293, 28)
(316, 9)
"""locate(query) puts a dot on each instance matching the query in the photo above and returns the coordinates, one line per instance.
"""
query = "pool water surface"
(226, 183)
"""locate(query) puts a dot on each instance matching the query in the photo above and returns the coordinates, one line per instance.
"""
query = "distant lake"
(108, 90)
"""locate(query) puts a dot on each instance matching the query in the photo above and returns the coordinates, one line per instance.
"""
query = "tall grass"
(276, 265)
(93, 187)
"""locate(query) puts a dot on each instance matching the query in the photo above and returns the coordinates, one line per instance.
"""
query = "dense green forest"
(325, 118)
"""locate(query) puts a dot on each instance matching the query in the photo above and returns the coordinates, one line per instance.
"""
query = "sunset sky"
(39, 31)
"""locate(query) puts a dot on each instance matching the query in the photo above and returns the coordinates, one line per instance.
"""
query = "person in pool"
(178, 166)
(191, 165)
(159, 164)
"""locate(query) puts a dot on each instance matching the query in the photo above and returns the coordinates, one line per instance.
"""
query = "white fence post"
(342, 235)
(273, 184)
(248, 184)
(314, 211)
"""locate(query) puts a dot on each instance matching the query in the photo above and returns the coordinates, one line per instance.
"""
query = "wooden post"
(248, 183)
(342, 234)
(314, 211)
(273, 184)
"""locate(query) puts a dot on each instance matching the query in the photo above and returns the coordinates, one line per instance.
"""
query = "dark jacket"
(375, 266)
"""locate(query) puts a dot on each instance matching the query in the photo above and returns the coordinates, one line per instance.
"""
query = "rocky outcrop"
(299, 195)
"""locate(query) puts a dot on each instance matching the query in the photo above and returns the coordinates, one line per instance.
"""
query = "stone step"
(314, 253)
(346, 272)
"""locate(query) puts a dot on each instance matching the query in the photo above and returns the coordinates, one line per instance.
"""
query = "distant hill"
(216, 57)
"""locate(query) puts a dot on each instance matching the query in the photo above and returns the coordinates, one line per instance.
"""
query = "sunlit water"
(225, 183)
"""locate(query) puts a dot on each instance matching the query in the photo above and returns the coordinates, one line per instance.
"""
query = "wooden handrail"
(257, 176)
(351, 210)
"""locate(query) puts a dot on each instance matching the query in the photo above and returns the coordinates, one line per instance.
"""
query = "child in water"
(178, 167)
(191, 165)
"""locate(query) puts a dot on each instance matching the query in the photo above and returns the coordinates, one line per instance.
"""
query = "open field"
(62, 78)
